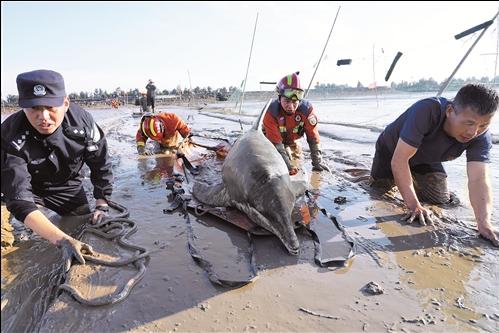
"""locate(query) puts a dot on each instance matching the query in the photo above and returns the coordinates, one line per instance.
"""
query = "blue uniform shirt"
(421, 126)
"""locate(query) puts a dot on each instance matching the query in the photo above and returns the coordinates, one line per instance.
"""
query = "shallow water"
(443, 277)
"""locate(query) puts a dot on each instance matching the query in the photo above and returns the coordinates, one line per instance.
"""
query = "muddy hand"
(72, 248)
(490, 233)
(99, 214)
(425, 216)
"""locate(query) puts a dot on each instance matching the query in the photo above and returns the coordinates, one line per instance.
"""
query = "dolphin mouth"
(294, 252)
(292, 249)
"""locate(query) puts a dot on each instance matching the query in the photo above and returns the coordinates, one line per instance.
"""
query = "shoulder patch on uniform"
(312, 120)
(20, 140)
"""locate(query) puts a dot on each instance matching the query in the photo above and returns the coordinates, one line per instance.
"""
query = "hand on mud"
(100, 213)
(293, 171)
(489, 232)
(73, 248)
(425, 216)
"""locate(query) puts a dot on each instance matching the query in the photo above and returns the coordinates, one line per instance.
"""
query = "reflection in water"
(154, 168)
(315, 180)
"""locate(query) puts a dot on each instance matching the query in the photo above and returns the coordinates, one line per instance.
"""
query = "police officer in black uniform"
(44, 146)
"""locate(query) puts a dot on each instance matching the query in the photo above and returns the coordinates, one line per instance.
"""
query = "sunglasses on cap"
(293, 94)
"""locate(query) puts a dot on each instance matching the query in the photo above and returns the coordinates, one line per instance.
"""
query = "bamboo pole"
(247, 70)
(323, 50)
(446, 84)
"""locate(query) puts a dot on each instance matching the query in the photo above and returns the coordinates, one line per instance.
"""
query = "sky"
(187, 44)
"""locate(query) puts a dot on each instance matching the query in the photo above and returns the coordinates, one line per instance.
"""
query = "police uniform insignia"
(20, 140)
(312, 120)
(75, 132)
(298, 117)
(39, 90)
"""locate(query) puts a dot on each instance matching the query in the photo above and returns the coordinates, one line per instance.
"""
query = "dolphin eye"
(265, 179)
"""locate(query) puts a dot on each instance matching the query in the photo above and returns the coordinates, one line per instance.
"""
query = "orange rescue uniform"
(282, 128)
(172, 125)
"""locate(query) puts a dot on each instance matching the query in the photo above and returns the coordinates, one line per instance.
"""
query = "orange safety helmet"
(152, 127)
(290, 86)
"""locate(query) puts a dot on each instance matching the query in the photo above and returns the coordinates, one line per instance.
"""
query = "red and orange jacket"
(171, 123)
(282, 128)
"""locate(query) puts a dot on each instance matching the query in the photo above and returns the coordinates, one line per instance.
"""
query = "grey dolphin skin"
(256, 181)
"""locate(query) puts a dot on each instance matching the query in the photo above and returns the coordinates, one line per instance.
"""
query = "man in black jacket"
(44, 146)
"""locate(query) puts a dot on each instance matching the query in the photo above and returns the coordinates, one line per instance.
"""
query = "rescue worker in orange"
(167, 129)
(287, 119)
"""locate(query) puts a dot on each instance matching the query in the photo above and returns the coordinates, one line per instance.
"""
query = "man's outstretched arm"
(481, 199)
(403, 179)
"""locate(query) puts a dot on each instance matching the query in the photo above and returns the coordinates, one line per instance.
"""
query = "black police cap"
(40, 87)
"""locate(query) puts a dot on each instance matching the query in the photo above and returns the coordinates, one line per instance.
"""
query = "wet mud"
(441, 278)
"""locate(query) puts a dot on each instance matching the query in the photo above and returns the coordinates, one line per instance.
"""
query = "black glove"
(72, 248)
(143, 151)
(316, 155)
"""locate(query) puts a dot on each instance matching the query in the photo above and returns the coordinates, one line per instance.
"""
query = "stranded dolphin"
(256, 181)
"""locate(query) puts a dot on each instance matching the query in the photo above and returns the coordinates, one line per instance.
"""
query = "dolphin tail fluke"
(258, 125)
(215, 195)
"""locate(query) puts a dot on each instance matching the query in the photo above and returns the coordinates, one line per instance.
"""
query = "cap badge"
(39, 90)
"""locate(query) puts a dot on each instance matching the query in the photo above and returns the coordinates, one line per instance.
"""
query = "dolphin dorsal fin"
(258, 125)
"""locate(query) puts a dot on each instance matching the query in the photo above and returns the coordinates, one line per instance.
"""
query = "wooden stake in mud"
(446, 84)
(247, 70)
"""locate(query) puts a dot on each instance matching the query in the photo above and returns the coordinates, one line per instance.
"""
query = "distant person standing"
(143, 102)
(151, 94)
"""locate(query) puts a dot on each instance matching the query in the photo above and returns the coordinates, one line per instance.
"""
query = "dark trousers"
(150, 102)
(430, 180)
(69, 201)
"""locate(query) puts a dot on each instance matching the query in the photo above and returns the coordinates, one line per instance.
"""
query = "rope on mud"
(113, 228)
(201, 210)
